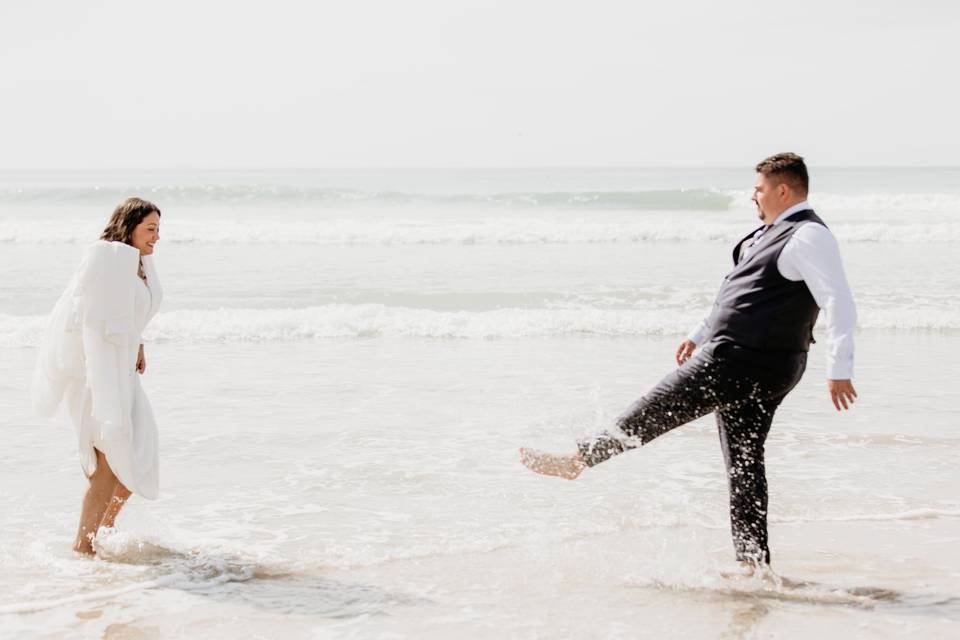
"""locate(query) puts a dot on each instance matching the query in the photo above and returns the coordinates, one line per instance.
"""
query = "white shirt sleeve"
(812, 255)
(698, 332)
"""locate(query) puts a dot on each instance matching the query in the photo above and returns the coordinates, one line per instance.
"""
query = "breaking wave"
(267, 195)
(485, 231)
(361, 321)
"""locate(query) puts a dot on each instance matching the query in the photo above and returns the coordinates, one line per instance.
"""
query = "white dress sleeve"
(92, 336)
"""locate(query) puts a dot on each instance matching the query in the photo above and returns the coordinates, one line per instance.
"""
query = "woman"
(89, 361)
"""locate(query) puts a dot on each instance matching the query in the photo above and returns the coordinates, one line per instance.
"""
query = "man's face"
(768, 197)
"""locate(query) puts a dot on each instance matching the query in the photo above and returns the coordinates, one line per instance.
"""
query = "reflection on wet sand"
(129, 631)
(744, 621)
(233, 579)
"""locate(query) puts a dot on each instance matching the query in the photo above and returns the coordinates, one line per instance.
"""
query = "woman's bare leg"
(117, 500)
(95, 503)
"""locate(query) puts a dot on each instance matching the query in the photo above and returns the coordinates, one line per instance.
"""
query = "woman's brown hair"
(126, 217)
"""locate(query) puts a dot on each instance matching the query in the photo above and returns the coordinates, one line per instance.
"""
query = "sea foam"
(541, 230)
(339, 321)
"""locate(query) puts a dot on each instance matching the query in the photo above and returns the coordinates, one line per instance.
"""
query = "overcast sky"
(449, 83)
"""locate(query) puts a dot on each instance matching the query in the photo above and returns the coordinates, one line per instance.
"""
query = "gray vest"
(757, 308)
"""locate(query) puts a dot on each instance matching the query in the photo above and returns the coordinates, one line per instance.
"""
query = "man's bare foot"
(742, 570)
(568, 465)
(750, 571)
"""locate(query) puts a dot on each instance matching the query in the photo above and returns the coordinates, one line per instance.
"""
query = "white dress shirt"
(812, 255)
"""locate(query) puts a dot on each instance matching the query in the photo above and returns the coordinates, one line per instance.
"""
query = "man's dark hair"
(788, 168)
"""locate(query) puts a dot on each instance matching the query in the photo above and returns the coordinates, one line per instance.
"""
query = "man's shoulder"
(813, 225)
(813, 234)
(804, 216)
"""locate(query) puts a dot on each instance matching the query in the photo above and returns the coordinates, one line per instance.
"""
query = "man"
(753, 352)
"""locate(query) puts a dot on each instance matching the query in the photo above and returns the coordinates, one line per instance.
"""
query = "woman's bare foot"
(102, 503)
(84, 544)
(566, 465)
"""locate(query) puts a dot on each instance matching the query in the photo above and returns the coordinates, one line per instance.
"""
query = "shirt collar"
(797, 208)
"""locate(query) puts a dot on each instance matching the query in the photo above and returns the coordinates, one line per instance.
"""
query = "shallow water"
(389, 499)
(340, 423)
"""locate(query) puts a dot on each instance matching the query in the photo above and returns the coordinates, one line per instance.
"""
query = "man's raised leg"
(698, 387)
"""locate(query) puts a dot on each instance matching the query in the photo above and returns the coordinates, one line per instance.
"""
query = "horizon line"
(645, 167)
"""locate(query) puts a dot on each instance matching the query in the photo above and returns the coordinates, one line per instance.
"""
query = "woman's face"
(146, 234)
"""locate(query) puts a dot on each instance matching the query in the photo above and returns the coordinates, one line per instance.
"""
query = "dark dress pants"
(743, 388)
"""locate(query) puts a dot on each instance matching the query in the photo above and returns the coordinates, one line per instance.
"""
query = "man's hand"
(685, 350)
(141, 362)
(842, 393)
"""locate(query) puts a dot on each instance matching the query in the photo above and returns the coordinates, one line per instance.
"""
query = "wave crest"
(267, 195)
(495, 231)
(375, 320)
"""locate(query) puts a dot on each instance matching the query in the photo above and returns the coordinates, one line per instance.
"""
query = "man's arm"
(689, 344)
(812, 255)
(842, 393)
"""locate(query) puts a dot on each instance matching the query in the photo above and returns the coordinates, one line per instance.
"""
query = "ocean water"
(347, 361)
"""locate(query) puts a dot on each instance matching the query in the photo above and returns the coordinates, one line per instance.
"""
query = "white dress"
(87, 362)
